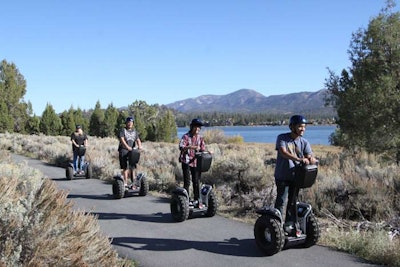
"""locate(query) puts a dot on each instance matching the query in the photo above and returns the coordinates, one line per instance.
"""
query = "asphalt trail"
(142, 229)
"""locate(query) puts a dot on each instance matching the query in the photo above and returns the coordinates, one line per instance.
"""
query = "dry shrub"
(40, 228)
(378, 242)
(217, 136)
(239, 172)
(350, 189)
(373, 243)
(353, 185)
(350, 185)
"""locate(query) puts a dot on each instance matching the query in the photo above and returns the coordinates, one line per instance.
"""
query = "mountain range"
(251, 101)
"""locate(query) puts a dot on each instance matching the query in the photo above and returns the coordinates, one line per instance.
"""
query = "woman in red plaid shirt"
(190, 143)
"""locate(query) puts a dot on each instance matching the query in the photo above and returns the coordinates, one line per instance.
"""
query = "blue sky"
(75, 53)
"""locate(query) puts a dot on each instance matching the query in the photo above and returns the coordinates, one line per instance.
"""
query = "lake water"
(318, 135)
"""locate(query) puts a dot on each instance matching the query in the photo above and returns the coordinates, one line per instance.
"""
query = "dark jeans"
(191, 171)
(287, 190)
(78, 161)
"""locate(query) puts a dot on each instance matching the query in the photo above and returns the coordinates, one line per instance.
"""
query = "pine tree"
(50, 124)
(12, 90)
(166, 128)
(111, 125)
(68, 122)
(367, 96)
(96, 123)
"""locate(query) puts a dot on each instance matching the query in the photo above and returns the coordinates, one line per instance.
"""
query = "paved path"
(142, 229)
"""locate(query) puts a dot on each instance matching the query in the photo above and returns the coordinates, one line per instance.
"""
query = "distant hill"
(251, 101)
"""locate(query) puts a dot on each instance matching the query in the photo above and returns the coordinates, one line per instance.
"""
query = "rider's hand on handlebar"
(308, 161)
(313, 160)
(305, 161)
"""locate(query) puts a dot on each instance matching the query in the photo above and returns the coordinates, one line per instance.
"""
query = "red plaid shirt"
(188, 155)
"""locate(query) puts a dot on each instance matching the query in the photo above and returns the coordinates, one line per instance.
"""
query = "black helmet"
(129, 119)
(297, 119)
(196, 122)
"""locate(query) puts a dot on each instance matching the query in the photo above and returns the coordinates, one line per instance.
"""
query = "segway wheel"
(212, 205)
(179, 208)
(118, 189)
(89, 172)
(269, 235)
(69, 173)
(144, 186)
(312, 232)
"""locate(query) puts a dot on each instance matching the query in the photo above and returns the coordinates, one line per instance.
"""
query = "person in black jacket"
(79, 142)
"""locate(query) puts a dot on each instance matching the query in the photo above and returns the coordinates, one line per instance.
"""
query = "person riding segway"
(129, 155)
(296, 168)
(79, 167)
(194, 160)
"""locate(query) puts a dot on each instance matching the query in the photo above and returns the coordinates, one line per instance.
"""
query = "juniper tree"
(367, 95)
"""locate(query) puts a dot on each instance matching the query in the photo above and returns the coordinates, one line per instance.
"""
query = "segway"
(86, 168)
(182, 207)
(272, 234)
(138, 185)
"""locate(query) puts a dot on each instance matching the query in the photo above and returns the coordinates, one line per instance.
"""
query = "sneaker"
(298, 233)
(201, 206)
(132, 186)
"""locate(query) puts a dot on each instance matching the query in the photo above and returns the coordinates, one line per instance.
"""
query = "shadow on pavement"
(232, 246)
(66, 179)
(158, 217)
(104, 197)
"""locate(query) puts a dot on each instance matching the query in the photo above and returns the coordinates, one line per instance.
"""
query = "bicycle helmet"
(196, 122)
(297, 119)
(129, 119)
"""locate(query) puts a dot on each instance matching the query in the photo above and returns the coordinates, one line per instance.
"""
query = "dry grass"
(351, 187)
(39, 227)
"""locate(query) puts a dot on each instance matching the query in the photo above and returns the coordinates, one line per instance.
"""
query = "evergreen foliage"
(367, 95)
(6, 121)
(111, 125)
(153, 122)
(68, 122)
(166, 127)
(50, 124)
(13, 110)
(96, 124)
(33, 125)
(245, 119)
(79, 119)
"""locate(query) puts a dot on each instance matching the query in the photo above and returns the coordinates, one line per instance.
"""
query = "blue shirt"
(300, 147)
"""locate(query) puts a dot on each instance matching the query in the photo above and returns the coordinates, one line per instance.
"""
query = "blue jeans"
(78, 162)
(286, 190)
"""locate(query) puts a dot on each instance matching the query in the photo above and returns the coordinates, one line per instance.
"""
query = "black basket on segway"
(305, 175)
(204, 160)
(81, 151)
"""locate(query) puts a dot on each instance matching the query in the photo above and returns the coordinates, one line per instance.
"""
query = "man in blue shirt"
(292, 149)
